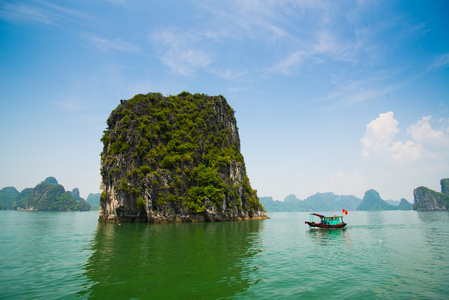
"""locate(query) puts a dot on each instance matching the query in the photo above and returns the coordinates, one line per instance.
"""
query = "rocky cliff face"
(172, 159)
(427, 199)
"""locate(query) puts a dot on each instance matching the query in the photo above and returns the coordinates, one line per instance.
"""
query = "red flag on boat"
(345, 211)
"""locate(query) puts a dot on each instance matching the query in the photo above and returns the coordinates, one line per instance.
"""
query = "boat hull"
(327, 226)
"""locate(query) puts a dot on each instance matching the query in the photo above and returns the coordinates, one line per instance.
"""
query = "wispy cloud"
(287, 35)
(230, 74)
(26, 12)
(123, 3)
(250, 19)
(440, 62)
(43, 12)
(351, 90)
(229, 23)
(179, 51)
(358, 91)
(381, 83)
(109, 45)
(72, 105)
(287, 64)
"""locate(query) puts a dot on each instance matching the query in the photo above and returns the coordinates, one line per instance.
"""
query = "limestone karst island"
(175, 159)
(427, 199)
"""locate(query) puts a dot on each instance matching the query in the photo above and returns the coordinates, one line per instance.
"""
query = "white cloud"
(379, 140)
(422, 132)
(392, 160)
(403, 152)
(379, 134)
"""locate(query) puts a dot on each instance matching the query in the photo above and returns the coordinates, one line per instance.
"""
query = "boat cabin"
(334, 220)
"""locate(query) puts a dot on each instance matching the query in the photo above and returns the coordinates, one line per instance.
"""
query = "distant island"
(332, 202)
(48, 195)
(427, 199)
(94, 201)
(372, 202)
(175, 159)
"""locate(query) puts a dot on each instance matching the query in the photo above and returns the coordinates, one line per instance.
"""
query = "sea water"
(380, 255)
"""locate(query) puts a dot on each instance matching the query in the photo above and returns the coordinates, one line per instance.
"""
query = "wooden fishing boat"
(326, 222)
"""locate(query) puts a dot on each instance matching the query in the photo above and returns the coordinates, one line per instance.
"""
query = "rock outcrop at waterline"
(174, 159)
(427, 199)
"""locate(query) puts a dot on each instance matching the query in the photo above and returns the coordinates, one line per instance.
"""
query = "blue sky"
(330, 96)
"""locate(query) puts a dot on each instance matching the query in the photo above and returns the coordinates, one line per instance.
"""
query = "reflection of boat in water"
(333, 222)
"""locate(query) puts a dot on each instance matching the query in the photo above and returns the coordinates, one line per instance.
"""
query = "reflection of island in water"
(435, 228)
(184, 261)
(433, 216)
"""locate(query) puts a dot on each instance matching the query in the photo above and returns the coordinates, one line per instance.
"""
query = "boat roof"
(321, 216)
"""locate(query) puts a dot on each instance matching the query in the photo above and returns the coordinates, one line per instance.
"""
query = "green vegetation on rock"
(22, 199)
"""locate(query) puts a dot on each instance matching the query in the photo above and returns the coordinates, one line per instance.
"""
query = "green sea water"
(380, 255)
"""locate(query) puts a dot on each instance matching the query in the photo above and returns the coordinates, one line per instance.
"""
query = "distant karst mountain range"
(425, 199)
(48, 195)
(331, 202)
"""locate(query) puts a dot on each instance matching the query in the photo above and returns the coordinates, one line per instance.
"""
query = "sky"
(330, 96)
